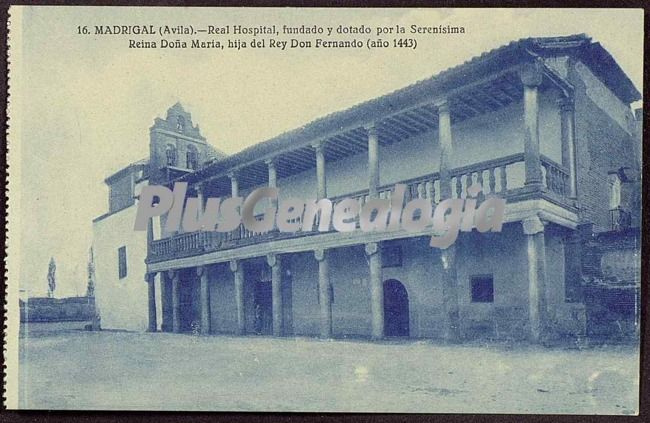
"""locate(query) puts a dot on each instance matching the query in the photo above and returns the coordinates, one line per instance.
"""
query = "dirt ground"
(162, 371)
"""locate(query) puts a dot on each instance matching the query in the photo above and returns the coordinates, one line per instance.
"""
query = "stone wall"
(605, 142)
(57, 309)
(501, 255)
(122, 302)
(611, 269)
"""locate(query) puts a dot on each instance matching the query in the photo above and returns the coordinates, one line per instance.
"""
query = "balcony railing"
(497, 176)
(556, 177)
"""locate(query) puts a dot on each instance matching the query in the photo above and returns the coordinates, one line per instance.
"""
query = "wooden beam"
(481, 97)
(400, 124)
(428, 124)
(429, 115)
(392, 130)
(491, 97)
(354, 140)
(470, 104)
(345, 144)
(422, 125)
(335, 155)
(303, 155)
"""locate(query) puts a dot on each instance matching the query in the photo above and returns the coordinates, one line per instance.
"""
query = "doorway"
(263, 306)
(190, 307)
(396, 309)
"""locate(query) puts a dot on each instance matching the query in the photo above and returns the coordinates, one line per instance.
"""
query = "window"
(614, 190)
(391, 256)
(170, 152)
(180, 123)
(121, 258)
(482, 289)
(192, 157)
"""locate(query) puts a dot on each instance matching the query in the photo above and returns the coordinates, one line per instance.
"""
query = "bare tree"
(51, 278)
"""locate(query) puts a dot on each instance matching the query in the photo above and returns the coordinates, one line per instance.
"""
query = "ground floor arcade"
(519, 283)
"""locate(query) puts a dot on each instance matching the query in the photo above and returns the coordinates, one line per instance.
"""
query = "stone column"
(167, 301)
(176, 301)
(448, 255)
(150, 278)
(273, 261)
(534, 231)
(234, 189)
(373, 251)
(373, 161)
(199, 195)
(321, 180)
(324, 293)
(234, 184)
(202, 273)
(149, 235)
(273, 176)
(567, 121)
(450, 293)
(238, 273)
(446, 149)
(531, 77)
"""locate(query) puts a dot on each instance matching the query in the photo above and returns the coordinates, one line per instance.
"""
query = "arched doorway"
(396, 309)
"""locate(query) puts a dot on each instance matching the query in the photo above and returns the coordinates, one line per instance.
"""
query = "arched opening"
(396, 309)
(180, 123)
(170, 153)
(192, 157)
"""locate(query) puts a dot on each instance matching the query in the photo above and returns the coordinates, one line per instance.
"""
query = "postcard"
(400, 210)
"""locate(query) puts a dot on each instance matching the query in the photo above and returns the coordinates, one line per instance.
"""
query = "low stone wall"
(612, 312)
(57, 309)
(611, 277)
(33, 329)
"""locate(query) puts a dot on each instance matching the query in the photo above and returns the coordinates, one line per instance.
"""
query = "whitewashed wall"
(123, 303)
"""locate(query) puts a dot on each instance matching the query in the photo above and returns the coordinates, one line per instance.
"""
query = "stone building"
(120, 252)
(545, 123)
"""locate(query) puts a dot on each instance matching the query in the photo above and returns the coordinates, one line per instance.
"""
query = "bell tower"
(176, 146)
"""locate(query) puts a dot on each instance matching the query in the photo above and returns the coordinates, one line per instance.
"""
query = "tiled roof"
(579, 45)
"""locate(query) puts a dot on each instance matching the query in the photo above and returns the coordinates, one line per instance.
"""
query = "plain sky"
(88, 102)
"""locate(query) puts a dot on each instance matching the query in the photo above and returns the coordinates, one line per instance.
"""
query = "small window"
(121, 257)
(482, 289)
(391, 256)
(170, 152)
